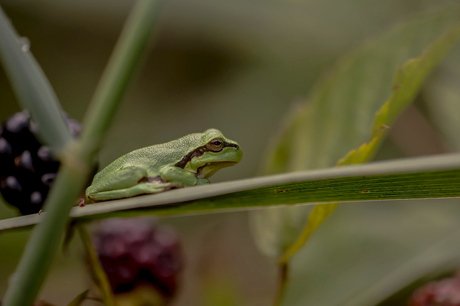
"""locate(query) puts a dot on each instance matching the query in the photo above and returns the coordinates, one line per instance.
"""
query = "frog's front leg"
(178, 175)
(202, 181)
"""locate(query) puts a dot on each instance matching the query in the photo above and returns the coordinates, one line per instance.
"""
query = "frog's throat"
(199, 152)
(209, 170)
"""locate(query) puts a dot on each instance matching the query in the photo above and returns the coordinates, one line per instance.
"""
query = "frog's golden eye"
(215, 145)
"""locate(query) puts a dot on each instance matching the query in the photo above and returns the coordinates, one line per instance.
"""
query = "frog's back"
(154, 157)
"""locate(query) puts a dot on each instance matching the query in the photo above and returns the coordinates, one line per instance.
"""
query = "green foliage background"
(238, 66)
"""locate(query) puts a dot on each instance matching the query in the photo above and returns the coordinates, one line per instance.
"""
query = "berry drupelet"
(27, 168)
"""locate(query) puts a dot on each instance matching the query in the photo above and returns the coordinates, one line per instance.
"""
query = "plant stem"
(282, 282)
(113, 84)
(46, 238)
(315, 219)
(100, 278)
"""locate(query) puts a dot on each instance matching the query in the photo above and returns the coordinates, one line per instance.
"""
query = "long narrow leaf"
(414, 178)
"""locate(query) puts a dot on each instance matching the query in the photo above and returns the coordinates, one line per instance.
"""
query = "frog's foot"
(81, 202)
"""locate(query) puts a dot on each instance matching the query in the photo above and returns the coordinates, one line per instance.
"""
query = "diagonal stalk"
(98, 273)
(45, 240)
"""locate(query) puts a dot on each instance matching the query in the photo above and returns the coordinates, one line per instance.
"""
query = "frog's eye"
(215, 145)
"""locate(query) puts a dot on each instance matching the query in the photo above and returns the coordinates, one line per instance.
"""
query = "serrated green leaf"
(338, 114)
(340, 110)
(407, 83)
(442, 99)
(366, 151)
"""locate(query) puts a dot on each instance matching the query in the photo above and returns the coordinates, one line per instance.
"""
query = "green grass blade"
(408, 178)
(31, 86)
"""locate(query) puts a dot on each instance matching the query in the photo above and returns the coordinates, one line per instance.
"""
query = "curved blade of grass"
(31, 86)
(408, 178)
(45, 240)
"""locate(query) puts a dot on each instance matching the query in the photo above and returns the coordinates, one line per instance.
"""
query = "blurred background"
(236, 66)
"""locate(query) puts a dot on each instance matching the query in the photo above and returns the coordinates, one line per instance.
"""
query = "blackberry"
(445, 292)
(27, 168)
(134, 253)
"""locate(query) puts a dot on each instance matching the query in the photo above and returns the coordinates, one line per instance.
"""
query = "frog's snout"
(233, 145)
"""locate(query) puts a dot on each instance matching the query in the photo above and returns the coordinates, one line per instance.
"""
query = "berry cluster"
(134, 253)
(445, 292)
(27, 168)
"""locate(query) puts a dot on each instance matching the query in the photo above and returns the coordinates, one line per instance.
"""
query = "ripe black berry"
(133, 253)
(27, 168)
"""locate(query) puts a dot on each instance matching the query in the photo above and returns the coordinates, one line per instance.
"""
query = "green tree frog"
(187, 161)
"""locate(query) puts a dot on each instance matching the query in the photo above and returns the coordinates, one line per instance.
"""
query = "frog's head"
(214, 152)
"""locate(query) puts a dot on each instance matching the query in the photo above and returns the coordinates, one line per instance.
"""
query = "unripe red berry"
(135, 252)
(445, 292)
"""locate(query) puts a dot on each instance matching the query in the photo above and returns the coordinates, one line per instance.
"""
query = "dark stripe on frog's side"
(197, 153)
(188, 157)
